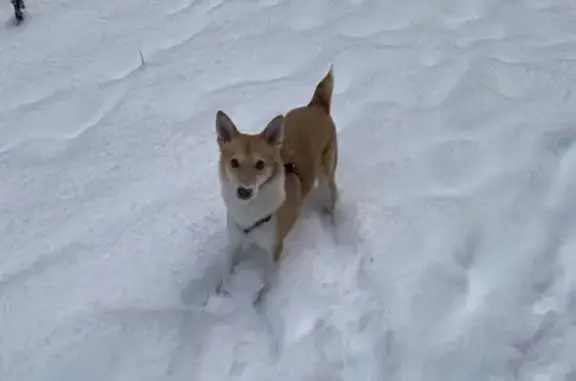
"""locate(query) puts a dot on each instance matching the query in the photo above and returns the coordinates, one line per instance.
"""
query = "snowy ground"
(454, 254)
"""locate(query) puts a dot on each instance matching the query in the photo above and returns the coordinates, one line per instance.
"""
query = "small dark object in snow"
(19, 6)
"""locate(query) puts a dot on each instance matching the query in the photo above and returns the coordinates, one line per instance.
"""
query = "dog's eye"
(259, 165)
(234, 163)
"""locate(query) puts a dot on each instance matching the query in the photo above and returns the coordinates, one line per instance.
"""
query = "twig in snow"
(19, 6)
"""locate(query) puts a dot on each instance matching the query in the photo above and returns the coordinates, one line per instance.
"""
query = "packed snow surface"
(453, 253)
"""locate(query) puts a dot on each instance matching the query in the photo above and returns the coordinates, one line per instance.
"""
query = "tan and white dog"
(266, 177)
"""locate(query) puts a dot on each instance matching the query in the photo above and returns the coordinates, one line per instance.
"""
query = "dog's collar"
(257, 224)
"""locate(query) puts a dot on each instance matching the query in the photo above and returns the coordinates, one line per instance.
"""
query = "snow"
(452, 256)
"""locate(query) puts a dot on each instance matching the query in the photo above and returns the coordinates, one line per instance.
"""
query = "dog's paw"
(329, 213)
(222, 288)
(329, 206)
(260, 295)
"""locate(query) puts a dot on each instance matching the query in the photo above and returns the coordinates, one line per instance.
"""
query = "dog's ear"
(274, 131)
(225, 128)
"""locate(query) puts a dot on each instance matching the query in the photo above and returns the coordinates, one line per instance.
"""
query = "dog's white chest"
(262, 236)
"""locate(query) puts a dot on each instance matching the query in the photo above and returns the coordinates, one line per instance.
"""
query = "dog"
(265, 177)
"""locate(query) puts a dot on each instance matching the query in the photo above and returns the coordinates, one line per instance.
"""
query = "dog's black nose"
(244, 193)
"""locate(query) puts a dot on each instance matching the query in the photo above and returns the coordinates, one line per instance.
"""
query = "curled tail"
(323, 94)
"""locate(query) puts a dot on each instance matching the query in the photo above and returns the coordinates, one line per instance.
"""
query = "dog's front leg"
(273, 262)
(270, 270)
(233, 249)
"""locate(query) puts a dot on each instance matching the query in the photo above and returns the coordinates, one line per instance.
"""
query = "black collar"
(257, 224)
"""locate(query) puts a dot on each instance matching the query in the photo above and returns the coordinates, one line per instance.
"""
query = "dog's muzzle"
(244, 193)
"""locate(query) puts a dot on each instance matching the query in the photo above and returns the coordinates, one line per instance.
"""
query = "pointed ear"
(225, 128)
(274, 131)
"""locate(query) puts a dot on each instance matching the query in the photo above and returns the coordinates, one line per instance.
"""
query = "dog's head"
(248, 161)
